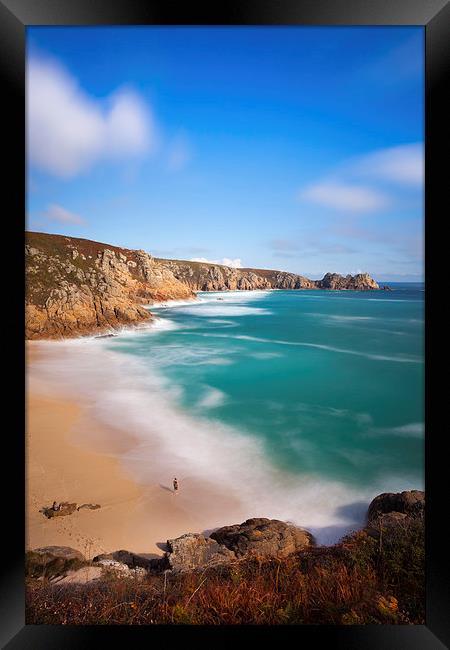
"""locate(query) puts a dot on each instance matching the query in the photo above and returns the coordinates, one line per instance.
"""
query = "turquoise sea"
(315, 397)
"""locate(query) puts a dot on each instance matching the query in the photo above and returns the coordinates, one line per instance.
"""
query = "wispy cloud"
(283, 245)
(344, 196)
(371, 182)
(69, 131)
(403, 164)
(226, 261)
(57, 213)
(305, 245)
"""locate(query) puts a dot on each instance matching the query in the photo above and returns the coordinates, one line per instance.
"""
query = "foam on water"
(222, 321)
(128, 396)
(411, 430)
(159, 324)
(350, 318)
(225, 310)
(163, 304)
(286, 432)
(211, 398)
(330, 348)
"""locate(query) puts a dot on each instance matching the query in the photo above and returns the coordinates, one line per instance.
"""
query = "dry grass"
(360, 581)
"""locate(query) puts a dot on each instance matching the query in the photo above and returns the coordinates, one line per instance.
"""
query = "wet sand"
(72, 457)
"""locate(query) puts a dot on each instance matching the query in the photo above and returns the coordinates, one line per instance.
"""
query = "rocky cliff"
(76, 286)
(359, 282)
(200, 276)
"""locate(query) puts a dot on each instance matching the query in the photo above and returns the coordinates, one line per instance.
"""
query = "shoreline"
(72, 456)
(106, 331)
(106, 427)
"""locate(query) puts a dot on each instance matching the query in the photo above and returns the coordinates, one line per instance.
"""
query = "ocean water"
(329, 384)
(302, 405)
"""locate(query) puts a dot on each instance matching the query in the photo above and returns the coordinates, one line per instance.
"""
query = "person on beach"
(55, 506)
(175, 485)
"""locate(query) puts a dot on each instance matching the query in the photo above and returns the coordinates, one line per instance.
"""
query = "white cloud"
(56, 212)
(403, 164)
(68, 131)
(225, 261)
(235, 263)
(344, 196)
(370, 182)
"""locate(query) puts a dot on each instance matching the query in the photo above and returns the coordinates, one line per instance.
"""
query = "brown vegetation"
(372, 577)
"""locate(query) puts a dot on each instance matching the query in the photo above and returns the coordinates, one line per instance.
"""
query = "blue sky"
(294, 148)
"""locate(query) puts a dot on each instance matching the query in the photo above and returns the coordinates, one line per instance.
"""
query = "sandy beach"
(71, 457)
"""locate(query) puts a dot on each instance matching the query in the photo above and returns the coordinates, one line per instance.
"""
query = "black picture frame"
(434, 16)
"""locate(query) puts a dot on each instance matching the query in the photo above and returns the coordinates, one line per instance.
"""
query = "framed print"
(230, 419)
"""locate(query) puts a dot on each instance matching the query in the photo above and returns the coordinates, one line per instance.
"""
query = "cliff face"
(214, 277)
(76, 286)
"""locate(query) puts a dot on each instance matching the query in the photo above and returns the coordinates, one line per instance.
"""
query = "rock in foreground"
(410, 502)
(53, 560)
(131, 560)
(82, 576)
(263, 537)
(194, 551)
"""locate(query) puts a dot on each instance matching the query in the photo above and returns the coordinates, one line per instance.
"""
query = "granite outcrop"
(76, 286)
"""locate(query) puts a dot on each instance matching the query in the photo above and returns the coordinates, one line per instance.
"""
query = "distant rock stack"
(359, 282)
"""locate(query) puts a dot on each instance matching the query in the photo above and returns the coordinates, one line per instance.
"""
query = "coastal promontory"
(77, 286)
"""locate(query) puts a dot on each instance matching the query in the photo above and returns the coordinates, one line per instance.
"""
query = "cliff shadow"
(354, 517)
(150, 556)
(355, 512)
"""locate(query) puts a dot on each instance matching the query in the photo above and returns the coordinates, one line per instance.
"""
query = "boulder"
(64, 509)
(53, 560)
(121, 569)
(263, 537)
(194, 551)
(65, 552)
(82, 576)
(133, 560)
(387, 520)
(411, 503)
